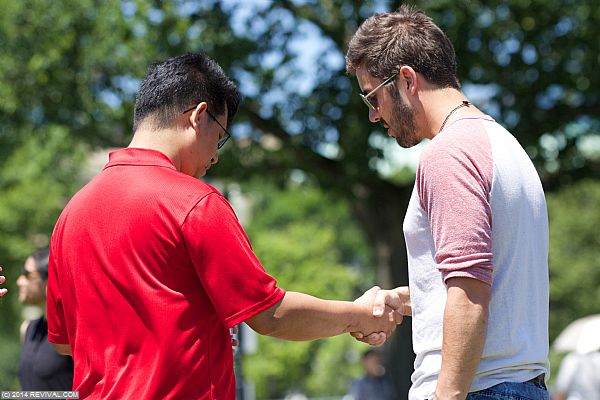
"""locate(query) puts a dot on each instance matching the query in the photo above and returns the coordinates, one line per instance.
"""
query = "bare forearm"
(62, 349)
(303, 317)
(465, 327)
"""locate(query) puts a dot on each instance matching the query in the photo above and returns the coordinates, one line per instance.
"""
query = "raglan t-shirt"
(478, 210)
(149, 268)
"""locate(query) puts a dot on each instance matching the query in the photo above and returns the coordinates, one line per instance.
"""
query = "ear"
(409, 76)
(196, 114)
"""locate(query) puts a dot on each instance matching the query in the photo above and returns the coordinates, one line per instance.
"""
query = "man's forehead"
(29, 264)
(366, 81)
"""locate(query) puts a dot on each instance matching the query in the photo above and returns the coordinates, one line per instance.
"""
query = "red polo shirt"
(149, 268)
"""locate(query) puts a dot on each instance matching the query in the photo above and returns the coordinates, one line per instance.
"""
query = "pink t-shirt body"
(478, 211)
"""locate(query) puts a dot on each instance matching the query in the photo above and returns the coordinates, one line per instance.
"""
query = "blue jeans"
(530, 390)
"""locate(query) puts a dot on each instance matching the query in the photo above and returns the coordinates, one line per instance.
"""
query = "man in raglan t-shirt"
(149, 267)
(476, 227)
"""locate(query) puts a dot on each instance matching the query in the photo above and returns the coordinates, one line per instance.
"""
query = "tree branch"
(308, 13)
(303, 154)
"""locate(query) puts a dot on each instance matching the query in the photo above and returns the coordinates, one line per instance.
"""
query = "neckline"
(484, 117)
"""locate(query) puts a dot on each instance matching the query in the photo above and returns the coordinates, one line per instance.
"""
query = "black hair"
(41, 257)
(178, 83)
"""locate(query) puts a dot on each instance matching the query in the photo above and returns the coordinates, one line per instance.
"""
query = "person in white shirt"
(578, 377)
(476, 228)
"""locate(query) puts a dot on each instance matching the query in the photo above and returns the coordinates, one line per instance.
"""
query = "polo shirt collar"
(139, 157)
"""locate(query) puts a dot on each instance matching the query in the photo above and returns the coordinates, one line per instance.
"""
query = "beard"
(402, 122)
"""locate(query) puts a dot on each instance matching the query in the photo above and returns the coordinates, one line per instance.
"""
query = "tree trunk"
(380, 208)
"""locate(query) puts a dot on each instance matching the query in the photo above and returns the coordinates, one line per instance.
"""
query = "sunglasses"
(372, 104)
(28, 274)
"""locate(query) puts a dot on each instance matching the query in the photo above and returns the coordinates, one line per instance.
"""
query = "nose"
(374, 116)
(214, 159)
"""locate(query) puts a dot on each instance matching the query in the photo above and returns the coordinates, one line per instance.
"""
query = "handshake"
(382, 311)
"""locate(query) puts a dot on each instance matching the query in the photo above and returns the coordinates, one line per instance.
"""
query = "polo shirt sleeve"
(57, 331)
(454, 181)
(234, 279)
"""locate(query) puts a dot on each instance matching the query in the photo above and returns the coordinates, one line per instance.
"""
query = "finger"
(376, 339)
(357, 335)
(379, 303)
(363, 336)
(370, 339)
(373, 290)
(398, 317)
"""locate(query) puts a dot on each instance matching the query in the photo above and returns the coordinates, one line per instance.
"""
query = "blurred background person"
(40, 366)
(578, 377)
(374, 384)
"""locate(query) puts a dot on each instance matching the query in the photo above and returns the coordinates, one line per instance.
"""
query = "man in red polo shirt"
(149, 266)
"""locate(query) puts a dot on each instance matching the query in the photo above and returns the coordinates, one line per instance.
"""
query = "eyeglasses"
(28, 274)
(227, 135)
(365, 97)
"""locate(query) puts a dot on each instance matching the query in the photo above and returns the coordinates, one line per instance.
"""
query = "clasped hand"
(385, 310)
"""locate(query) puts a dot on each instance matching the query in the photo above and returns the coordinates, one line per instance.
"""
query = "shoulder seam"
(205, 195)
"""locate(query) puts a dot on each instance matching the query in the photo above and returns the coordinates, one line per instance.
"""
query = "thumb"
(373, 290)
(368, 295)
(379, 303)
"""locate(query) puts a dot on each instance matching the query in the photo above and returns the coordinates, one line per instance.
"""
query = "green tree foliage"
(307, 240)
(574, 218)
(73, 66)
(35, 180)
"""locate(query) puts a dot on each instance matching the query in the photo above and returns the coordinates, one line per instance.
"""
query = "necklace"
(465, 103)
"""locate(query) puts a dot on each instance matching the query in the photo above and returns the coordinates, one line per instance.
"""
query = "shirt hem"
(57, 339)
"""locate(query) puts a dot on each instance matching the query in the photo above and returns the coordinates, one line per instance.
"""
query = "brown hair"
(385, 42)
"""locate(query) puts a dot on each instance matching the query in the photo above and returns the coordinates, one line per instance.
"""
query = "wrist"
(358, 314)
(447, 393)
(438, 396)
(403, 295)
